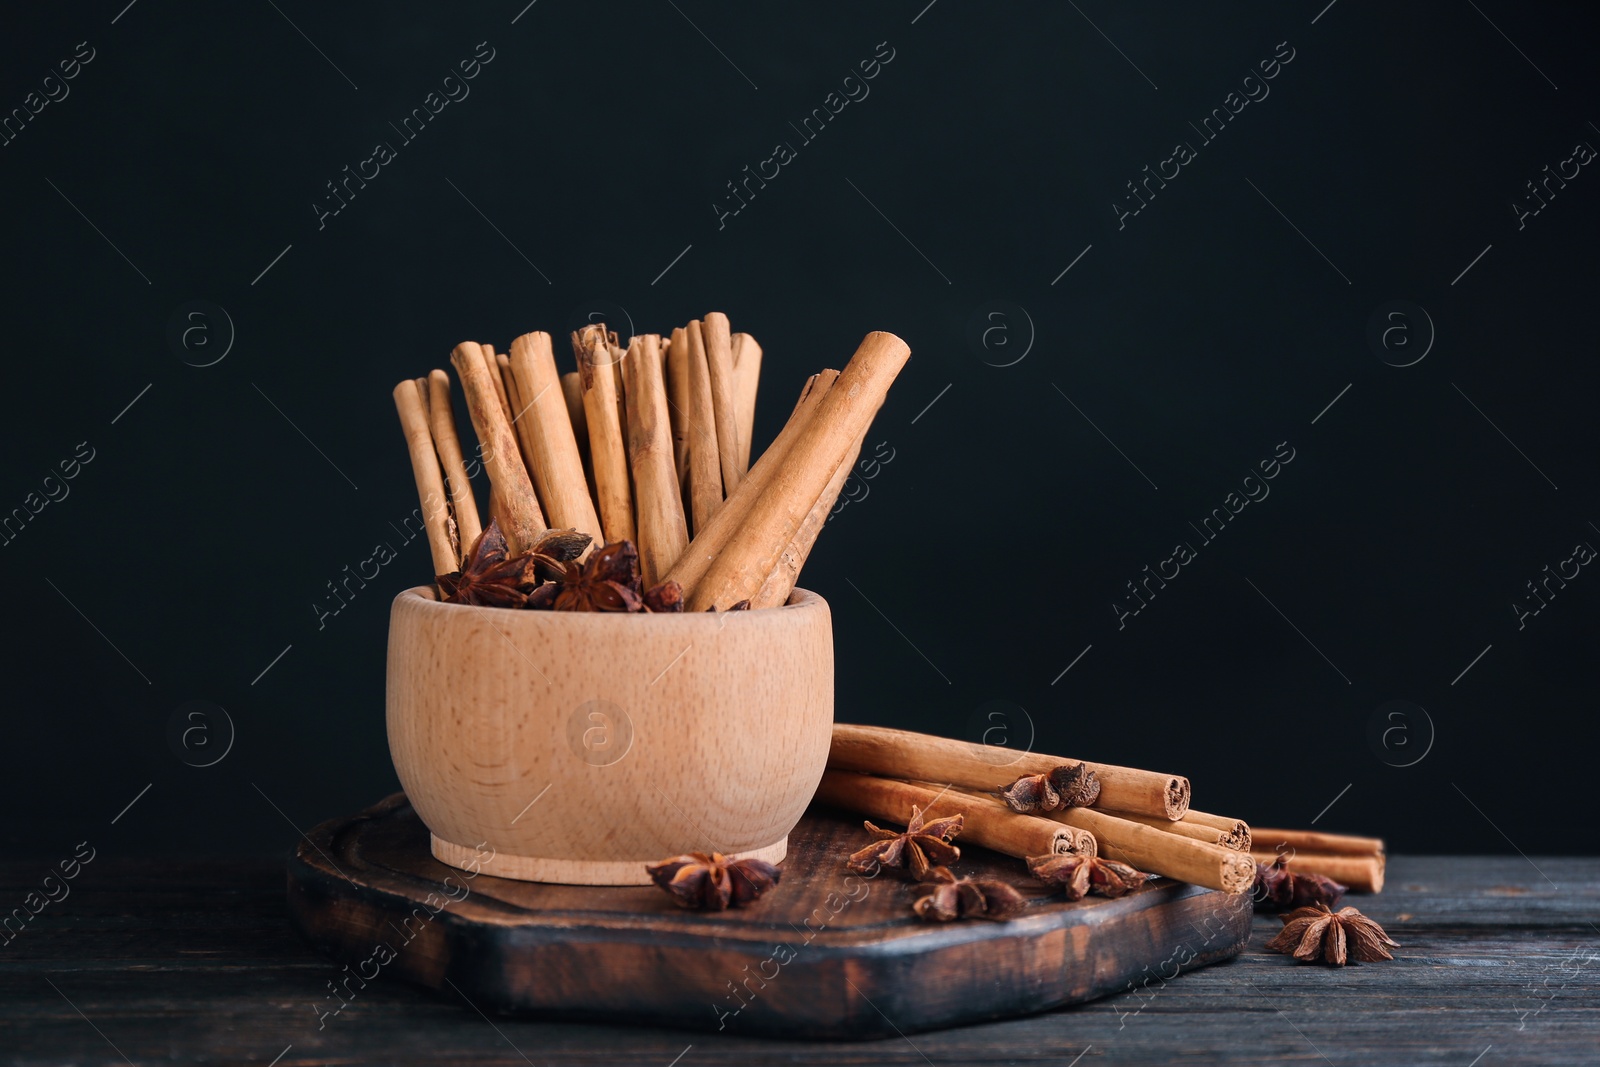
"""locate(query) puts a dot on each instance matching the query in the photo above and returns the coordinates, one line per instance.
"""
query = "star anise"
(967, 898)
(1068, 786)
(489, 576)
(1076, 876)
(1278, 888)
(1317, 932)
(712, 882)
(664, 598)
(607, 581)
(921, 846)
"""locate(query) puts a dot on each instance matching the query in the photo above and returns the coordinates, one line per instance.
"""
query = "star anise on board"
(712, 882)
(1076, 876)
(1068, 786)
(492, 577)
(1318, 933)
(1278, 888)
(919, 847)
(966, 898)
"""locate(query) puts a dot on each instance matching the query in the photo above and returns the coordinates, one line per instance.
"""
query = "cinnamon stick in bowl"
(523, 521)
(557, 468)
(658, 506)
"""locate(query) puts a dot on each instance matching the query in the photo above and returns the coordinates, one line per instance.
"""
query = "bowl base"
(572, 872)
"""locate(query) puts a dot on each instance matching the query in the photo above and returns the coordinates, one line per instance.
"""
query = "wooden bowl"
(577, 747)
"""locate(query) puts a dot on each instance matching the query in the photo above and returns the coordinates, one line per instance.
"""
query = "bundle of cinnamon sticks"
(1138, 817)
(649, 443)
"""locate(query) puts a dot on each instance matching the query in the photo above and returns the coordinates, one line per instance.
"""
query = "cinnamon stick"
(982, 823)
(746, 381)
(1233, 835)
(718, 341)
(662, 533)
(710, 542)
(609, 455)
(903, 753)
(1364, 874)
(777, 515)
(779, 584)
(447, 442)
(1269, 840)
(705, 466)
(557, 467)
(494, 363)
(678, 400)
(522, 520)
(425, 468)
(1163, 852)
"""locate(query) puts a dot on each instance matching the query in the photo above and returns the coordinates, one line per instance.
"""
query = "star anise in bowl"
(712, 882)
(491, 577)
(1319, 933)
(1077, 876)
(919, 847)
(966, 898)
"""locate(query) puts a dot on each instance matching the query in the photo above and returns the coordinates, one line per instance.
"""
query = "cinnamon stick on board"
(1235, 836)
(903, 753)
(1268, 840)
(523, 521)
(1364, 874)
(997, 829)
(705, 466)
(442, 421)
(777, 515)
(425, 468)
(719, 360)
(678, 400)
(746, 381)
(557, 467)
(1162, 852)
(608, 453)
(658, 514)
(710, 542)
(780, 583)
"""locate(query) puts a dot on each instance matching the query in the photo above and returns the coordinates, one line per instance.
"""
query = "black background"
(986, 556)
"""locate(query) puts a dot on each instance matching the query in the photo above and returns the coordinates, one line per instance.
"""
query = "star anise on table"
(491, 577)
(712, 882)
(1278, 888)
(1068, 786)
(1076, 876)
(921, 846)
(1314, 933)
(966, 898)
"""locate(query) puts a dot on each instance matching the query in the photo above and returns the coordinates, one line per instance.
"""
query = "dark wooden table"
(193, 962)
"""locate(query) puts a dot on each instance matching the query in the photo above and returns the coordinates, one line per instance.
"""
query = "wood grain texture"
(581, 745)
(191, 961)
(826, 954)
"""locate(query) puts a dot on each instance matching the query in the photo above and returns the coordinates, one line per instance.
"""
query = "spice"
(967, 898)
(1318, 933)
(920, 847)
(712, 882)
(491, 577)
(1068, 786)
(1280, 889)
(1077, 876)
(607, 581)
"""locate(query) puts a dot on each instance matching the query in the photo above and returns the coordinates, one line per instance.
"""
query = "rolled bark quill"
(902, 753)
(705, 466)
(678, 400)
(425, 468)
(983, 824)
(662, 533)
(718, 342)
(557, 467)
(493, 363)
(1271, 840)
(775, 591)
(746, 381)
(778, 513)
(572, 393)
(442, 421)
(608, 453)
(1231, 834)
(1163, 852)
(1364, 874)
(523, 520)
(710, 542)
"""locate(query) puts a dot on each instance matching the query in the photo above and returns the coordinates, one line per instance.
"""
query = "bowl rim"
(425, 598)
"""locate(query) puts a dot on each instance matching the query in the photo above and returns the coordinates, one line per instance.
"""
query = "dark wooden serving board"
(825, 954)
